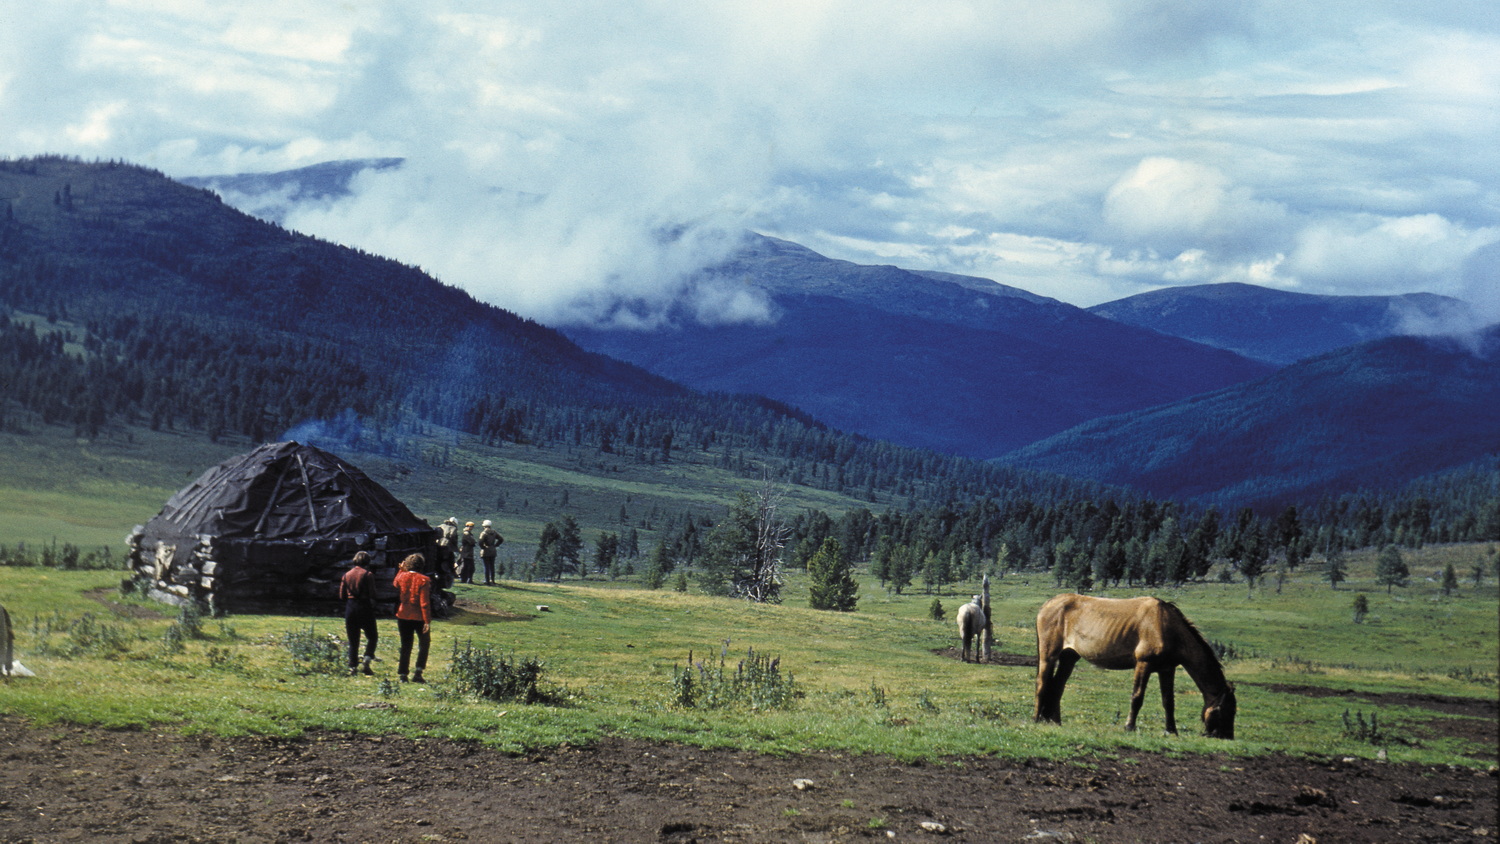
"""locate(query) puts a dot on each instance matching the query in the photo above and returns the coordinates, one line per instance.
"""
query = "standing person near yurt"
(357, 589)
(489, 541)
(466, 554)
(413, 614)
(448, 547)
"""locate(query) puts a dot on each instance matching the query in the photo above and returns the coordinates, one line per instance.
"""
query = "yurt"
(275, 529)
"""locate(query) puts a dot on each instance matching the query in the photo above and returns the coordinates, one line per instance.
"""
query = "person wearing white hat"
(489, 540)
(466, 554)
(447, 556)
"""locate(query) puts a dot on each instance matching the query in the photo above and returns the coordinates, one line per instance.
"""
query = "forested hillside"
(953, 363)
(934, 360)
(156, 304)
(1370, 416)
(131, 302)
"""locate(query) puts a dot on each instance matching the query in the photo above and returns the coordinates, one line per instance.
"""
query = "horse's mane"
(1172, 609)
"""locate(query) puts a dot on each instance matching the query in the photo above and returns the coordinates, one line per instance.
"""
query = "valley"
(150, 331)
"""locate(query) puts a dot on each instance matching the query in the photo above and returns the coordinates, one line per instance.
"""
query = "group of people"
(414, 590)
(456, 549)
(413, 613)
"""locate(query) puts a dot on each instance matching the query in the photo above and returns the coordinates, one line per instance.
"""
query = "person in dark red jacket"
(413, 613)
(357, 589)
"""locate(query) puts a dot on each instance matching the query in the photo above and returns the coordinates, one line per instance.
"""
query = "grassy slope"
(56, 487)
(614, 649)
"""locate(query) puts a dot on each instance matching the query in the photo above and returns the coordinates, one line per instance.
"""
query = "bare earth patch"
(996, 657)
(1474, 720)
(109, 597)
(74, 783)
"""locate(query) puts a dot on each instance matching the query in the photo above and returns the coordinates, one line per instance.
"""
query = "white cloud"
(1385, 255)
(1088, 149)
(1170, 205)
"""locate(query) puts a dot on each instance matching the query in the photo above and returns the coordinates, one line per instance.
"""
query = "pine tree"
(903, 565)
(569, 546)
(605, 551)
(1252, 554)
(657, 568)
(1390, 569)
(1450, 580)
(831, 579)
(547, 564)
(1336, 573)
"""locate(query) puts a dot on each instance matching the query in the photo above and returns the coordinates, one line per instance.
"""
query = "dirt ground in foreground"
(86, 784)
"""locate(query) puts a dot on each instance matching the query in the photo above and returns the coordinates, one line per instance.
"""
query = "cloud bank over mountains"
(578, 162)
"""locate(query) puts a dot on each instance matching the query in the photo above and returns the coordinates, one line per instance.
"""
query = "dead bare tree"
(760, 579)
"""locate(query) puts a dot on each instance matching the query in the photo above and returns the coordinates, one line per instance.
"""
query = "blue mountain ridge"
(932, 360)
(1281, 326)
(1371, 415)
(1174, 392)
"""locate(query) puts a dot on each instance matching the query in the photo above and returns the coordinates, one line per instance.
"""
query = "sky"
(564, 157)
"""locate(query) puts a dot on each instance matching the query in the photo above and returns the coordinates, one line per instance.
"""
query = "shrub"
(1371, 731)
(756, 682)
(1226, 651)
(172, 639)
(936, 610)
(190, 619)
(1361, 608)
(86, 635)
(478, 670)
(223, 658)
(925, 702)
(312, 653)
(66, 556)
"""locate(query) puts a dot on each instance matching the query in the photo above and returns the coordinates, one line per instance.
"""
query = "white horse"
(971, 626)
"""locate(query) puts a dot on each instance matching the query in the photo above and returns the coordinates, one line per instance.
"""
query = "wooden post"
(989, 625)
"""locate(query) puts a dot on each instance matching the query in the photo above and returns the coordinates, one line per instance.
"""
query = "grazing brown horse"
(1141, 634)
(971, 627)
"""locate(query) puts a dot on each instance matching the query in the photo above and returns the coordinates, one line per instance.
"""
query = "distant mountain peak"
(272, 195)
(935, 360)
(766, 247)
(1372, 415)
(1284, 326)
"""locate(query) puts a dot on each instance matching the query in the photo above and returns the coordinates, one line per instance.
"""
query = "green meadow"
(871, 681)
(878, 680)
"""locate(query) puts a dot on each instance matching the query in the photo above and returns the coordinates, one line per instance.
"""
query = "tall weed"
(756, 682)
(312, 653)
(479, 670)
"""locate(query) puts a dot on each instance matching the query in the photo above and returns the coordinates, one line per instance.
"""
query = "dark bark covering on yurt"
(276, 529)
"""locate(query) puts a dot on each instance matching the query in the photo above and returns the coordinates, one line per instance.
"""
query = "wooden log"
(989, 621)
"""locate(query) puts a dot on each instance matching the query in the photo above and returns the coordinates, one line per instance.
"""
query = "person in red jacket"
(357, 589)
(413, 613)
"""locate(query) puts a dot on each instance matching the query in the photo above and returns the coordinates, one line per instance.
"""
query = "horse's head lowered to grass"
(1218, 715)
(1145, 635)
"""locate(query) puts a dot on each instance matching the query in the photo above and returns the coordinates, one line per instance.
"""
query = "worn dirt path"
(84, 784)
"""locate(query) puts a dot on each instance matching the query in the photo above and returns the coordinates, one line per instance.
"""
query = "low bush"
(312, 653)
(756, 682)
(86, 635)
(480, 671)
(66, 556)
